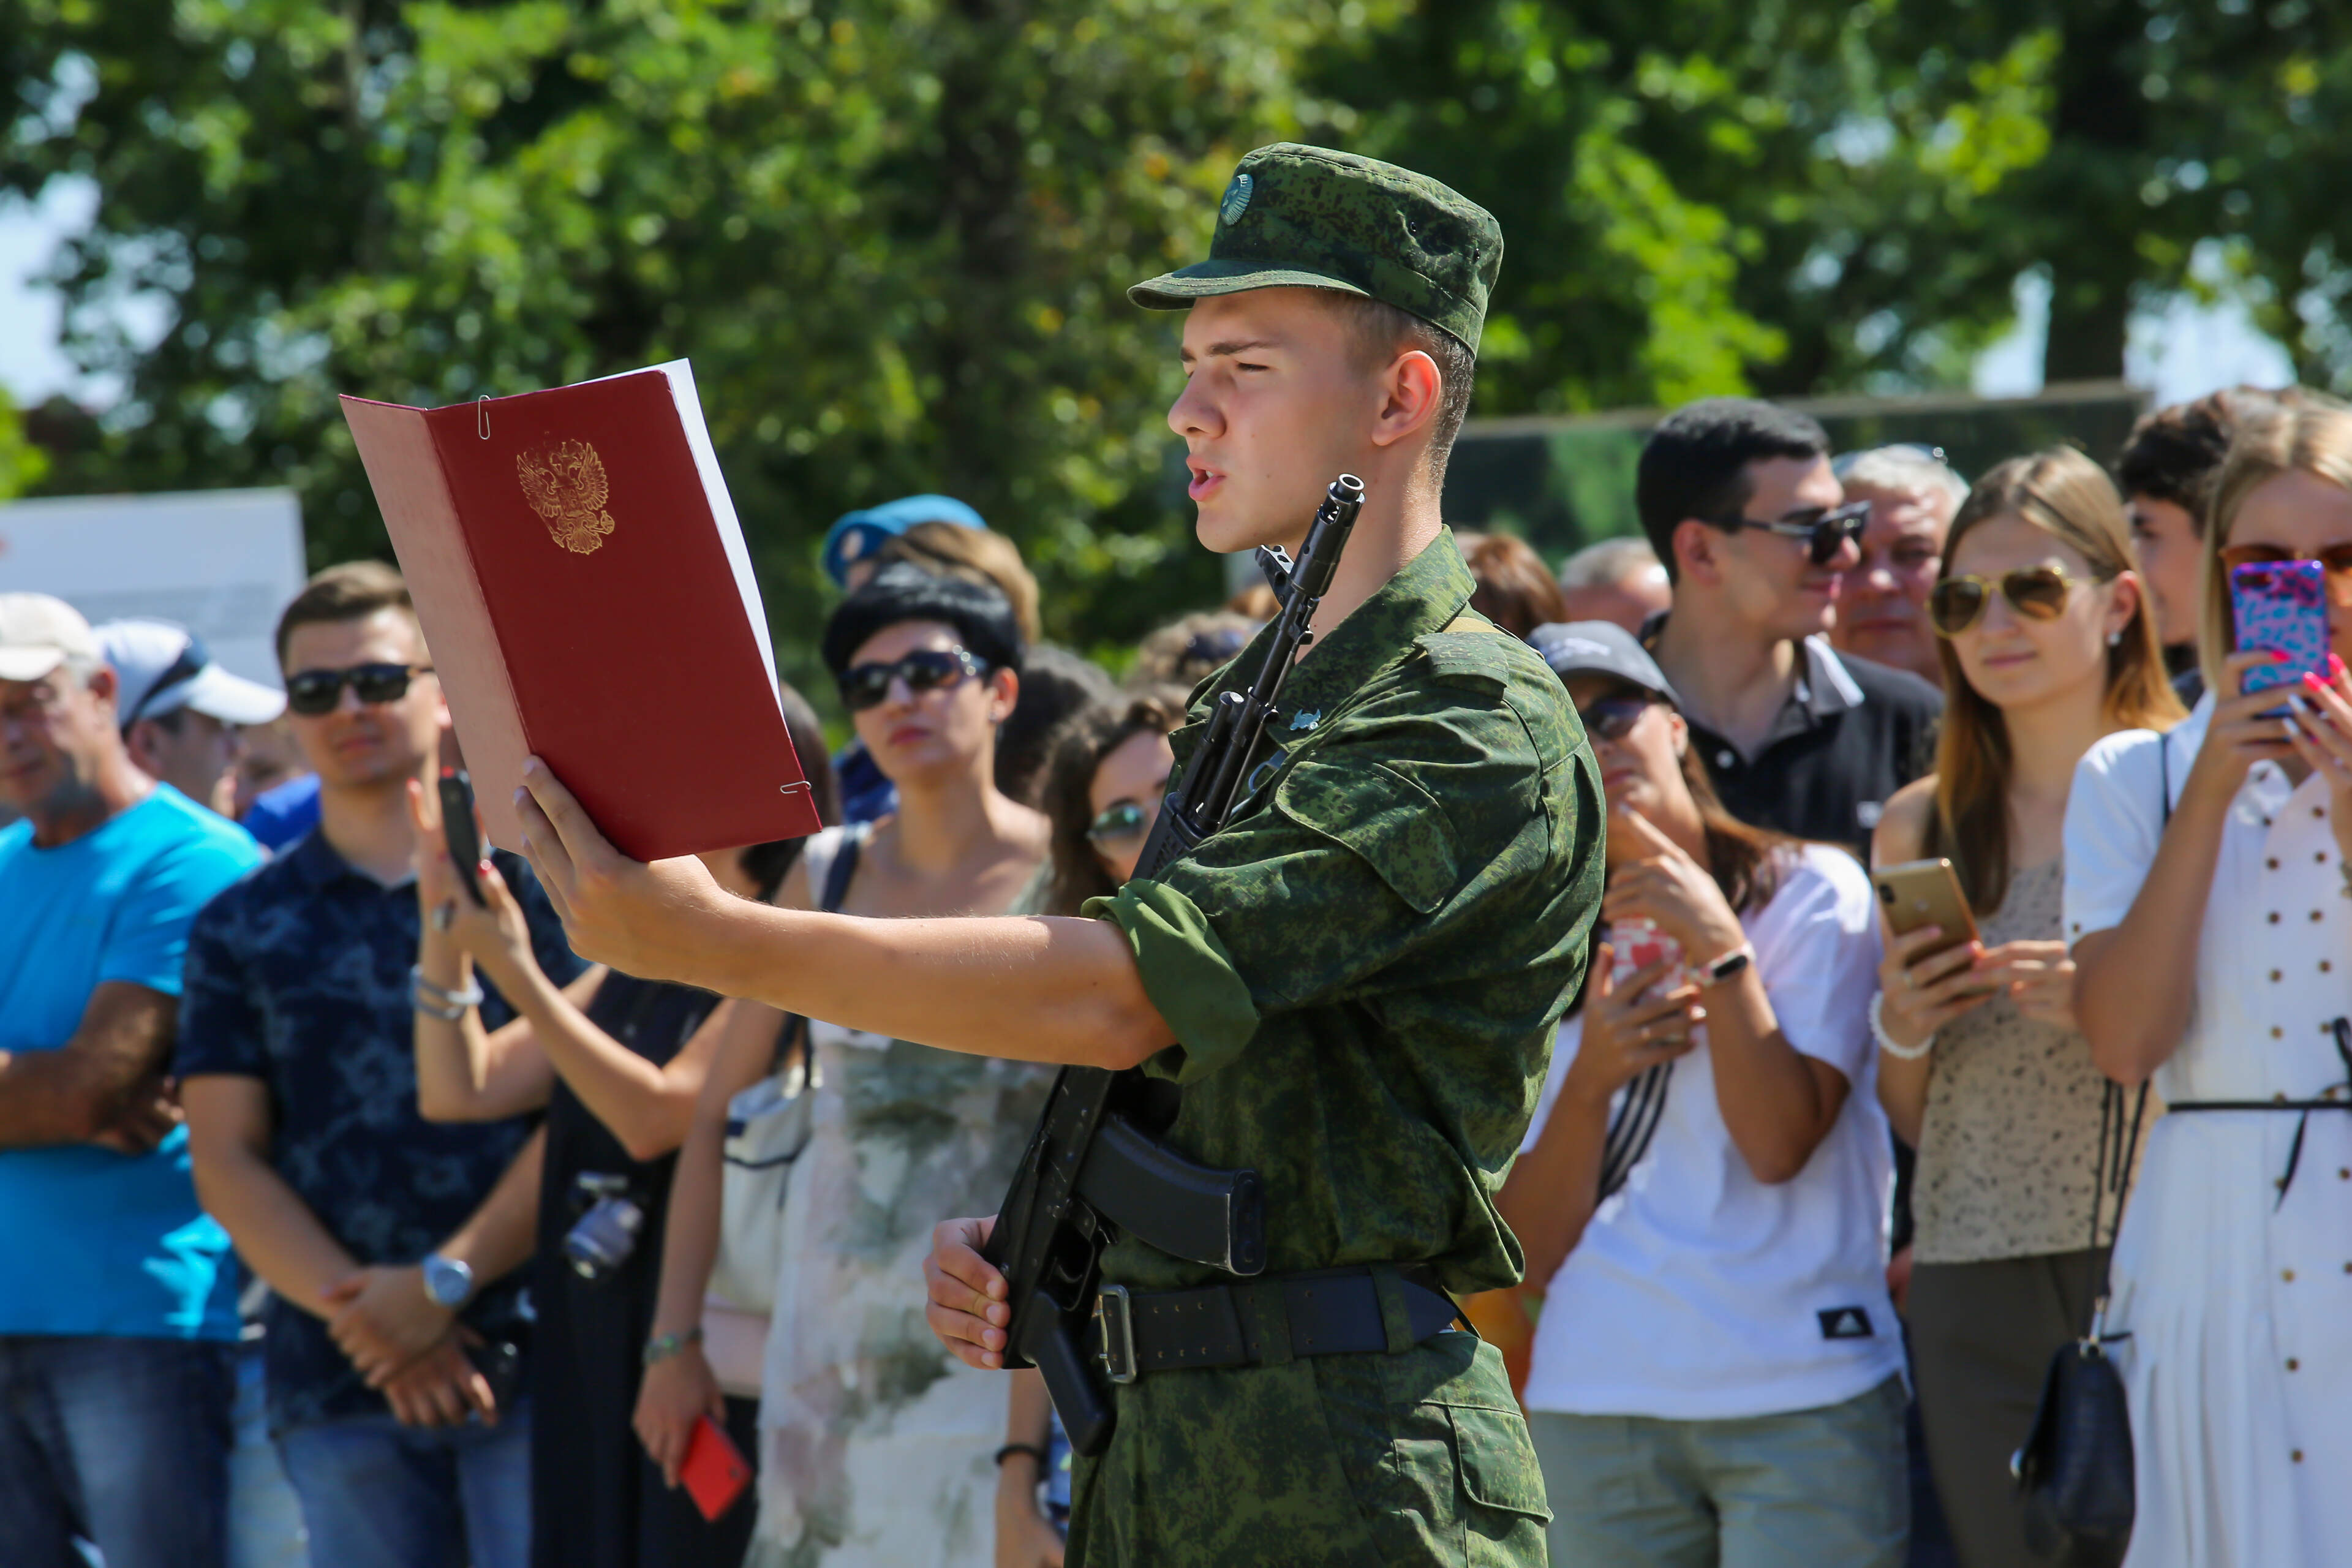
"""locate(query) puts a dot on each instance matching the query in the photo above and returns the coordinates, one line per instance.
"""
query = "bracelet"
(1032, 1449)
(1729, 965)
(441, 1003)
(662, 1347)
(1886, 1042)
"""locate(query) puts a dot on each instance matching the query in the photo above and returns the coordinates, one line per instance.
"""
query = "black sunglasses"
(864, 686)
(313, 692)
(1825, 530)
(2035, 593)
(1613, 717)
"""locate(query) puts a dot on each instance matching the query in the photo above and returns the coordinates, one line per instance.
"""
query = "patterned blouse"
(2010, 1138)
(875, 1443)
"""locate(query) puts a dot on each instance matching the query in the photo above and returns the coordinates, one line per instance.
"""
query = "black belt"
(1266, 1321)
(2341, 1030)
(2295, 1150)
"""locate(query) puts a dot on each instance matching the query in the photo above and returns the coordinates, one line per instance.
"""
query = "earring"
(2116, 637)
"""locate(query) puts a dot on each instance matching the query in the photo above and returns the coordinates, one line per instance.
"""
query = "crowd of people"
(358, 1223)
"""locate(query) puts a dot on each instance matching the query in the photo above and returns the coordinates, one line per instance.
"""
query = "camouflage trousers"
(1366, 1461)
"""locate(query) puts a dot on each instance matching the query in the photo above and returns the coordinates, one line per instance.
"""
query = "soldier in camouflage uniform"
(1355, 982)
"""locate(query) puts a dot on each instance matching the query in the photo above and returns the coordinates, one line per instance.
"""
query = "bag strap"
(844, 866)
(2119, 1138)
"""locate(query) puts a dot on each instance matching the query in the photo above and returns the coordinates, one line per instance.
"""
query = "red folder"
(587, 597)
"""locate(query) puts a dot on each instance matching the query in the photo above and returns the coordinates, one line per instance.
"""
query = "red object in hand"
(715, 1471)
(588, 597)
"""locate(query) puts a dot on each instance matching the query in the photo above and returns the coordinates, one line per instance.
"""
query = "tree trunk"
(2098, 156)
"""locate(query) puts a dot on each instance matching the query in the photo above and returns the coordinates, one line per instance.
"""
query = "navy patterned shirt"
(297, 975)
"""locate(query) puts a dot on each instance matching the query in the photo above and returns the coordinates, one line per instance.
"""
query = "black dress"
(597, 1500)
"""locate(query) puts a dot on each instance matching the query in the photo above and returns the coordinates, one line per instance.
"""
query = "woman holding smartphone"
(2216, 961)
(617, 1063)
(2047, 647)
(1716, 1372)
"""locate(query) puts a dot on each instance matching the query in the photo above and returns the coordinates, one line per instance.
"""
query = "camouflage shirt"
(1363, 970)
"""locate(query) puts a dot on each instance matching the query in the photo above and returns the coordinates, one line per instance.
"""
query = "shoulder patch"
(1473, 651)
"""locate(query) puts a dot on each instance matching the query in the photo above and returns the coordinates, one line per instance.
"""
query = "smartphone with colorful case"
(2281, 607)
(1635, 946)
(715, 1471)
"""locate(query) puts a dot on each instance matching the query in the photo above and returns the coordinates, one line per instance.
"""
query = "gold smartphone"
(1919, 893)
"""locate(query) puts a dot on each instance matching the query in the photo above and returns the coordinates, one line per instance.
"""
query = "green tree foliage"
(2172, 124)
(1800, 198)
(1709, 198)
(22, 464)
(892, 235)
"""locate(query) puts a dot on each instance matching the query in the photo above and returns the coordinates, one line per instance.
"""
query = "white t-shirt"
(1698, 1292)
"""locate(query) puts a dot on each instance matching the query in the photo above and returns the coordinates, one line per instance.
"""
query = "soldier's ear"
(1412, 390)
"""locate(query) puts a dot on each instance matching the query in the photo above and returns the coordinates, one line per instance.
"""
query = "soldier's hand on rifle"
(968, 1310)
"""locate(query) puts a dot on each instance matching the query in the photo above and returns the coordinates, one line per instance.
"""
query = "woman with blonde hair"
(2215, 945)
(2047, 645)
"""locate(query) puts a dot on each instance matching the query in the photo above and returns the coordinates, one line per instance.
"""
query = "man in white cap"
(118, 1317)
(180, 710)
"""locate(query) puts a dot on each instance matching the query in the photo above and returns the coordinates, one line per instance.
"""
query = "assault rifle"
(1095, 1166)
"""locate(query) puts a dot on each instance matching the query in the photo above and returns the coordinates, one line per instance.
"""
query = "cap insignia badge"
(565, 484)
(1237, 199)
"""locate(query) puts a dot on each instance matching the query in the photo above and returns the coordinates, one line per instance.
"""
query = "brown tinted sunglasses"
(2035, 593)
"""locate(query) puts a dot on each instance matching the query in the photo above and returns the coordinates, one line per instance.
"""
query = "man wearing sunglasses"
(1354, 982)
(394, 1334)
(1737, 498)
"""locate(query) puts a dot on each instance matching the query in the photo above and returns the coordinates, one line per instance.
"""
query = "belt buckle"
(1115, 1326)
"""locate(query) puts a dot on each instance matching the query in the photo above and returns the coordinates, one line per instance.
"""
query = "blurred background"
(893, 238)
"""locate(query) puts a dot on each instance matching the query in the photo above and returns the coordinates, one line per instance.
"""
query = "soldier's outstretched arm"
(1032, 988)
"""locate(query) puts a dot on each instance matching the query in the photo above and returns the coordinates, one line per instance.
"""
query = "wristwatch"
(1729, 964)
(447, 1282)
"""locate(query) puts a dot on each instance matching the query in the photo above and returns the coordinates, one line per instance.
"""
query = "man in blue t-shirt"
(396, 1331)
(118, 1317)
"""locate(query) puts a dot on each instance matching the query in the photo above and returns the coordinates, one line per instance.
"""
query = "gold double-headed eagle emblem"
(565, 484)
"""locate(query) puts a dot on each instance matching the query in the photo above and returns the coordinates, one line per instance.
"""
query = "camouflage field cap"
(1310, 217)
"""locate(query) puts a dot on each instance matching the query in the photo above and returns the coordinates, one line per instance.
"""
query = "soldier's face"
(1277, 402)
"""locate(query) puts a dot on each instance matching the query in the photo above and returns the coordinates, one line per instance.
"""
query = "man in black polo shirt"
(1738, 498)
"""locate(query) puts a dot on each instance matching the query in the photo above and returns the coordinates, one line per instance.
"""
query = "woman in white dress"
(2215, 955)
(875, 1444)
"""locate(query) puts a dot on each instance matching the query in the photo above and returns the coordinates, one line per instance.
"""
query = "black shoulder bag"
(2074, 1472)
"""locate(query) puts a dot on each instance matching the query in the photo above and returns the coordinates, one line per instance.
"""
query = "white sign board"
(221, 562)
